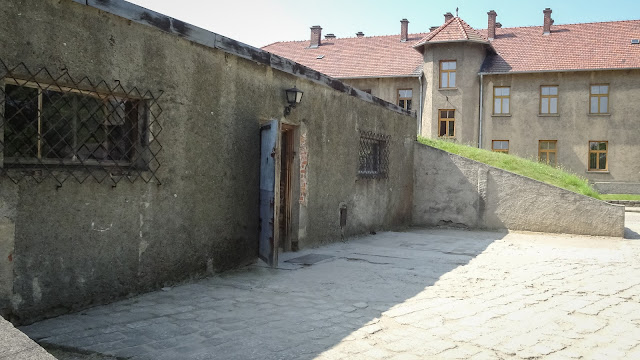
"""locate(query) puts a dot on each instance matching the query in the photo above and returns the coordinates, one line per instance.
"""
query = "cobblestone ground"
(423, 294)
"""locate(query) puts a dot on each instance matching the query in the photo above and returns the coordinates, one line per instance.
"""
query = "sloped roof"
(369, 56)
(587, 46)
(455, 29)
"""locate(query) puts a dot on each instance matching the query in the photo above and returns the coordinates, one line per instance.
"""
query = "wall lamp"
(294, 95)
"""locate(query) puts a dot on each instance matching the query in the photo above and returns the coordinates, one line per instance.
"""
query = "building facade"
(560, 94)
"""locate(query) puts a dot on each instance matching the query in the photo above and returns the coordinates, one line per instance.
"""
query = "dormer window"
(447, 74)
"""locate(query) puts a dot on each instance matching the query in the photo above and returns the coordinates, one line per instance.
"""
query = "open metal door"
(269, 189)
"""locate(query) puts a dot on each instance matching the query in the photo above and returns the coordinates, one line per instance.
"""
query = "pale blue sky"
(259, 23)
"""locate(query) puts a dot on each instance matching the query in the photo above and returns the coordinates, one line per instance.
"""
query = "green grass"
(619, 197)
(532, 169)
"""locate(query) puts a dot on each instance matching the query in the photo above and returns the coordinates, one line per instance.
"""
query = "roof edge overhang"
(419, 47)
(377, 77)
(555, 71)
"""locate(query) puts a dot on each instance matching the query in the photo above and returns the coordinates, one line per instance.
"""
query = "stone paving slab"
(423, 294)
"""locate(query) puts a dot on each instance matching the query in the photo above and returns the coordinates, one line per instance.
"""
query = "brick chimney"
(316, 34)
(360, 34)
(433, 28)
(448, 16)
(491, 28)
(404, 30)
(547, 21)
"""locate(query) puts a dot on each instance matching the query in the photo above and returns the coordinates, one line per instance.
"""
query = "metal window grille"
(54, 126)
(373, 155)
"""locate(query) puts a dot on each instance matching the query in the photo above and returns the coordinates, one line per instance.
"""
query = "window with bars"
(404, 98)
(501, 97)
(500, 146)
(447, 74)
(598, 155)
(55, 126)
(547, 152)
(373, 156)
(446, 123)
(62, 126)
(599, 99)
(548, 100)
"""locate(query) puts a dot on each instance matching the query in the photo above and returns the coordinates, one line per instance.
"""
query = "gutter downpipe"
(420, 108)
(480, 115)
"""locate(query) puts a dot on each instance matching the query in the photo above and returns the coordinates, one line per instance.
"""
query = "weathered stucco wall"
(456, 191)
(89, 243)
(573, 127)
(464, 98)
(387, 88)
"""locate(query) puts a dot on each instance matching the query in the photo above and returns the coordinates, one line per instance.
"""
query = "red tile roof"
(370, 56)
(455, 29)
(590, 46)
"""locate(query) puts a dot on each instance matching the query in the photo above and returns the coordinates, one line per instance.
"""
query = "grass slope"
(518, 165)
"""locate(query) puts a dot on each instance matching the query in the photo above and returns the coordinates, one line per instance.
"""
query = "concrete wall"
(464, 99)
(617, 187)
(573, 127)
(455, 191)
(82, 244)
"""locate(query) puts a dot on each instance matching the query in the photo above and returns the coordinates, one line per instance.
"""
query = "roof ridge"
(570, 24)
(464, 31)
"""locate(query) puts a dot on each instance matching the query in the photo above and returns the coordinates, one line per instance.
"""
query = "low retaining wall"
(629, 203)
(617, 187)
(456, 191)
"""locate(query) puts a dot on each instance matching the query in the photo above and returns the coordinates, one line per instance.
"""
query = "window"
(598, 155)
(46, 124)
(447, 74)
(446, 123)
(599, 99)
(548, 100)
(373, 159)
(547, 152)
(500, 146)
(404, 98)
(501, 96)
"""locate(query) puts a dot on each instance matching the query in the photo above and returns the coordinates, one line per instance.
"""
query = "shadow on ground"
(632, 225)
(295, 312)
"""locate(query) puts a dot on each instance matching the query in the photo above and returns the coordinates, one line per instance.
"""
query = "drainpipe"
(480, 116)
(420, 106)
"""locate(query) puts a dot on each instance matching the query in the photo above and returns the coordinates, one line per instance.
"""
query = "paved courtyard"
(422, 294)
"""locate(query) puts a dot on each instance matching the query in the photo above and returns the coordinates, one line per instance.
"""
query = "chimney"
(433, 28)
(316, 34)
(404, 30)
(448, 16)
(360, 34)
(498, 25)
(547, 21)
(491, 28)
(330, 36)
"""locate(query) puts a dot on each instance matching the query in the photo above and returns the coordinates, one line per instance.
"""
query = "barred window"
(64, 126)
(373, 155)
(52, 126)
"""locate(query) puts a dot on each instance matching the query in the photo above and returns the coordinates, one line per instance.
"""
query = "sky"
(259, 23)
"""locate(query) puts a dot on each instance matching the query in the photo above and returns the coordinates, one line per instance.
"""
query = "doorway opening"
(287, 154)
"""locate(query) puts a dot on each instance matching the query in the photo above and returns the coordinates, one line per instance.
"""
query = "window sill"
(603, 114)
(501, 115)
(445, 89)
(447, 137)
(548, 115)
(597, 172)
